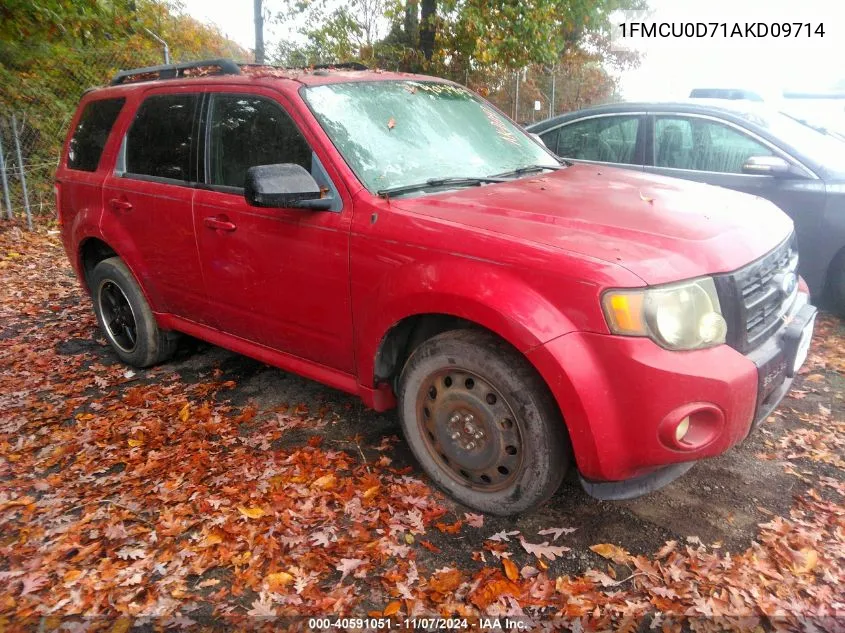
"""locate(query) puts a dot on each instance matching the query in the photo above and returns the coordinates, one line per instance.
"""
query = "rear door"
(710, 150)
(148, 202)
(611, 139)
(279, 277)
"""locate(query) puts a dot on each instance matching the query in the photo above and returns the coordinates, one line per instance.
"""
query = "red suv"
(396, 237)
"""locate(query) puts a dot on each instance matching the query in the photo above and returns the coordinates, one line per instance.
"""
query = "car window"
(248, 131)
(607, 139)
(702, 145)
(161, 140)
(550, 139)
(92, 132)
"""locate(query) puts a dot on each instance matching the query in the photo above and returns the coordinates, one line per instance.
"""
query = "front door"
(279, 277)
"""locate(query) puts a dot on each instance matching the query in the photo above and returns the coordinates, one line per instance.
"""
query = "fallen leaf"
(445, 580)
(184, 412)
(485, 595)
(392, 609)
(391, 123)
(211, 539)
(278, 579)
(805, 561)
(511, 570)
(502, 536)
(665, 550)
(544, 549)
(556, 532)
(71, 575)
(251, 513)
(612, 552)
(326, 482)
(347, 565)
(600, 578)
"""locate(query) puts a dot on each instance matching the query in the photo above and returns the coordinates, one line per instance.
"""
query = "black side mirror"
(284, 185)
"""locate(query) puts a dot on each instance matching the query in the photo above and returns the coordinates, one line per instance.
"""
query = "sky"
(670, 68)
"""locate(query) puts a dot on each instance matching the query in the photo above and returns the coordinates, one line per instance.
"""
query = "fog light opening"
(682, 429)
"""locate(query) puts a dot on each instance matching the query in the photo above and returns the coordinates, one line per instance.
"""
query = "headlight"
(679, 316)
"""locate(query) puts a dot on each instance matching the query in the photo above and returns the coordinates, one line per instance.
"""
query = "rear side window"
(248, 131)
(91, 133)
(160, 142)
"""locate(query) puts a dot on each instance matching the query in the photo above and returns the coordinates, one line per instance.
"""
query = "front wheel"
(836, 285)
(482, 423)
(125, 317)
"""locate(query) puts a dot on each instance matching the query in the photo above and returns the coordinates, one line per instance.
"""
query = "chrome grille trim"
(753, 299)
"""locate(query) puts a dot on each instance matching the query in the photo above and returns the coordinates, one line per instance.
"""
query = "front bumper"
(622, 398)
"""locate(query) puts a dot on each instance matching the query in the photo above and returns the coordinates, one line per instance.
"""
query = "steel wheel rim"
(470, 429)
(118, 316)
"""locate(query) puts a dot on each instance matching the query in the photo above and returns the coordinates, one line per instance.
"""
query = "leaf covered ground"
(216, 491)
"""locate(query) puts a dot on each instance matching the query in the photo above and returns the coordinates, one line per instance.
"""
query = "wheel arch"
(91, 251)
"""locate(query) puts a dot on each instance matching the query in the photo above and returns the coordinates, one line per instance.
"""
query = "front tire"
(836, 285)
(482, 423)
(125, 316)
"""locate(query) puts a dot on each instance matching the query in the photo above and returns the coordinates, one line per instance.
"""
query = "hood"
(661, 229)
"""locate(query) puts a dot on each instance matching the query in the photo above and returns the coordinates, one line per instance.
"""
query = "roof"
(730, 107)
(228, 71)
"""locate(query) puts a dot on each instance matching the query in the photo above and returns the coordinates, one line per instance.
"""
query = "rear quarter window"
(91, 133)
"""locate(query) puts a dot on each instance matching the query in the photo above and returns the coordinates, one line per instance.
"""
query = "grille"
(754, 296)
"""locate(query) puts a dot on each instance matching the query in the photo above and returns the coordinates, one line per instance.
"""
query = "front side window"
(702, 145)
(248, 131)
(605, 139)
(91, 133)
(161, 140)
(400, 133)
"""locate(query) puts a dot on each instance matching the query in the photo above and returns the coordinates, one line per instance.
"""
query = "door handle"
(219, 224)
(120, 205)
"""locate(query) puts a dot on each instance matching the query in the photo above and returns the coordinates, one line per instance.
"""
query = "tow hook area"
(636, 487)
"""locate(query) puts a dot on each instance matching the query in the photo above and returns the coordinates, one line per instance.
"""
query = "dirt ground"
(774, 501)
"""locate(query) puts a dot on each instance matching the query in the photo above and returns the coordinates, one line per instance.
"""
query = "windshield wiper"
(527, 170)
(434, 183)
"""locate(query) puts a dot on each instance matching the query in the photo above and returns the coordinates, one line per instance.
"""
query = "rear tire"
(125, 316)
(482, 422)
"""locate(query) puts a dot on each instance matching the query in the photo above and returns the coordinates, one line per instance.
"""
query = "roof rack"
(338, 66)
(175, 71)
(341, 65)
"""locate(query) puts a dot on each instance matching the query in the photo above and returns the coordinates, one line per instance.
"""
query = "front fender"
(494, 297)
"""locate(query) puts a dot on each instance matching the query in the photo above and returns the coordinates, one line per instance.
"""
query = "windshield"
(400, 133)
(825, 150)
(819, 123)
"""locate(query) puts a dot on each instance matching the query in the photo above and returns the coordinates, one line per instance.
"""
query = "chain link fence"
(36, 113)
(33, 126)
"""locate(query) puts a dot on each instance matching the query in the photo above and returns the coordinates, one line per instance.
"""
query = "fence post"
(22, 174)
(5, 181)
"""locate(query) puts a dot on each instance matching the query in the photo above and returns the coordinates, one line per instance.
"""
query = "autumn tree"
(480, 42)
